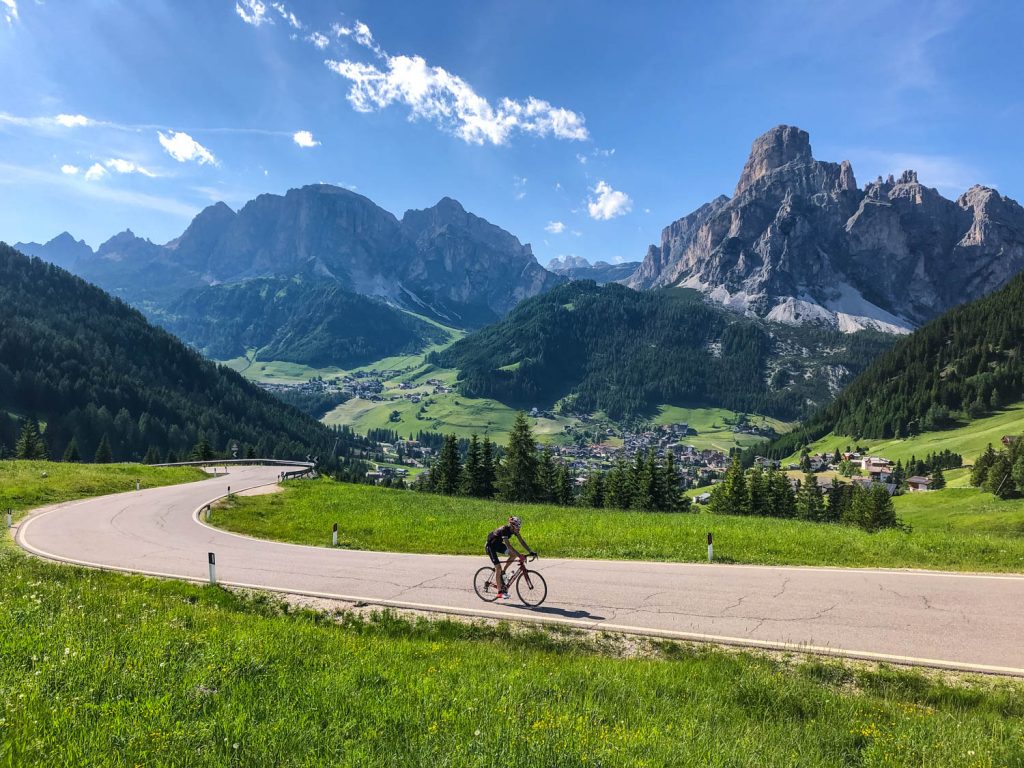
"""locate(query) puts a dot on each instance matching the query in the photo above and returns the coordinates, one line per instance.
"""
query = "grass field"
(406, 521)
(969, 440)
(714, 426)
(106, 669)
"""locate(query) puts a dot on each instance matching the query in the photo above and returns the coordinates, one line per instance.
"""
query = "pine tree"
(643, 479)
(546, 477)
(103, 453)
(71, 453)
(979, 472)
(152, 456)
(592, 493)
(730, 496)
(488, 476)
(1017, 473)
(202, 450)
(938, 479)
(881, 511)
(564, 486)
(445, 472)
(250, 452)
(783, 500)
(809, 504)
(758, 493)
(999, 480)
(671, 494)
(30, 445)
(618, 493)
(518, 477)
(472, 478)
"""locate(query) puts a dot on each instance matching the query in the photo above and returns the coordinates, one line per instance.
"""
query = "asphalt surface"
(971, 622)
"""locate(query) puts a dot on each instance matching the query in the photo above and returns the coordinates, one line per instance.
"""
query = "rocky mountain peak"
(782, 145)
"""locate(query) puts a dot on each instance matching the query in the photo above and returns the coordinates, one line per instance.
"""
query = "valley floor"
(100, 669)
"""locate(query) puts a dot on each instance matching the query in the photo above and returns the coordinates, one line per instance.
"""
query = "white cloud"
(69, 170)
(609, 202)
(72, 121)
(183, 147)
(434, 94)
(582, 159)
(321, 41)
(305, 139)
(95, 172)
(555, 227)
(287, 15)
(9, 8)
(127, 166)
(253, 12)
(519, 184)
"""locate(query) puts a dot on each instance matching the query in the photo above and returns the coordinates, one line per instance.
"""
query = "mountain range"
(601, 272)
(798, 242)
(443, 261)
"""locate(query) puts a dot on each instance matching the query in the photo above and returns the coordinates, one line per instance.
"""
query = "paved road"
(973, 622)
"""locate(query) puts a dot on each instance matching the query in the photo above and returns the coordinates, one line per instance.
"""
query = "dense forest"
(623, 352)
(315, 323)
(92, 370)
(963, 365)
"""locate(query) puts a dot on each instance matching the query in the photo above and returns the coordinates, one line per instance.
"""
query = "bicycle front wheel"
(531, 588)
(483, 583)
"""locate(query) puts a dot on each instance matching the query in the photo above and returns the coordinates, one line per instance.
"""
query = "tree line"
(1001, 472)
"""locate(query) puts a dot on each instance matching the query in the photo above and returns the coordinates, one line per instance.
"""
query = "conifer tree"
(979, 472)
(881, 511)
(152, 456)
(643, 479)
(518, 476)
(672, 495)
(758, 492)
(809, 504)
(250, 452)
(172, 457)
(730, 496)
(30, 445)
(202, 450)
(472, 476)
(446, 471)
(592, 493)
(546, 477)
(71, 453)
(488, 476)
(103, 452)
(618, 493)
(564, 494)
(999, 479)
(938, 479)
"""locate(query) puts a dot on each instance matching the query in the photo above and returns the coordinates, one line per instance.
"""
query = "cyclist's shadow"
(557, 612)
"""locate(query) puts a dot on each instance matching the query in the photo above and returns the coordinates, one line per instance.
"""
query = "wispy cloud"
(183, 148)
(519, 185)
(319, 39)
(96, 172)
(9, 8)
(252, 12)
(555, 227)
(608, 203)
(305, 139)
(69, 170)
(120, 165)
(439, 96)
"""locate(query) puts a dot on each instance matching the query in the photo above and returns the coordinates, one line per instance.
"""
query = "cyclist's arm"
(529, 549)
(508, 544)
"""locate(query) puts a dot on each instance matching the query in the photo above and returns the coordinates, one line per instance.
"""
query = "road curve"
(971, 622)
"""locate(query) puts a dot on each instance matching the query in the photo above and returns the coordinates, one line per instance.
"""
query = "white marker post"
(138, 486)
(334, 536)
(213, 568)
(711, 548)
(10, 518)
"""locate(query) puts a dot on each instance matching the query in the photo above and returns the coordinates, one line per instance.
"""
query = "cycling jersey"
(502, 534)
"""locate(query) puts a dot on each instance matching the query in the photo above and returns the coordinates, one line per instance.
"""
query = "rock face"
(799, 242)
(601, 272)
(63, 250)
(441, 261)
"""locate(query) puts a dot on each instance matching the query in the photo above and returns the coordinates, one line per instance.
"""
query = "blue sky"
(581, 127)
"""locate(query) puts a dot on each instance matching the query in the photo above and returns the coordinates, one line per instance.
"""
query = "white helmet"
(515, 523)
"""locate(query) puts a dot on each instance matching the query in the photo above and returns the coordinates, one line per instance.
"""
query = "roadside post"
(213, 568)
(10, 518)
(138, 485)
(334, 536)
(711, 548)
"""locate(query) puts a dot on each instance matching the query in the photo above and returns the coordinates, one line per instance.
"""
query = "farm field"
(406, 521)
(102, 668)
(714, 426)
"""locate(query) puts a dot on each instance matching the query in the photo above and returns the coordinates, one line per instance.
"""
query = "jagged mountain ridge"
(442, 261)
(798, 241)
(601, 272)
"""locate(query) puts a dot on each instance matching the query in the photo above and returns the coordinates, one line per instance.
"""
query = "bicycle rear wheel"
(531, 588)
(483, 583)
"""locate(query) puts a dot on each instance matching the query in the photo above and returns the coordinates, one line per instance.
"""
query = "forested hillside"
(963, 365)
(621, 351)
(315, 323)
(88, 367)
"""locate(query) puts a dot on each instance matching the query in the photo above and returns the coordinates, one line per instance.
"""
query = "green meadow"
(103, 669)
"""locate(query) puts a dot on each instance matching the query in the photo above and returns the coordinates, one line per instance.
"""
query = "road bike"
(530, 585)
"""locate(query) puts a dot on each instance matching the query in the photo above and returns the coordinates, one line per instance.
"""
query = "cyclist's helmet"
(515, 523)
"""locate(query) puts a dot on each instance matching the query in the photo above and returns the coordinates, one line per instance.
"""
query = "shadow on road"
(558, 612)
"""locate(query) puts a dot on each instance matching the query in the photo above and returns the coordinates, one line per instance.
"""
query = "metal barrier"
(224, 462)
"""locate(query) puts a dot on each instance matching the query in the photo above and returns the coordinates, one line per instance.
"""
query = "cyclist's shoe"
(504, 596)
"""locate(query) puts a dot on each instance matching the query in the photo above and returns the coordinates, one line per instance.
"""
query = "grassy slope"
(969, 440)
(713, 426)
(406, 521)
(101, 669)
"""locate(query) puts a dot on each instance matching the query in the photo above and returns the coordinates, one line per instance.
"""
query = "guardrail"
(224, 462)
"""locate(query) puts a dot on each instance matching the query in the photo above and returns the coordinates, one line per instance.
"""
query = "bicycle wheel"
(483, 583)
(531, 588)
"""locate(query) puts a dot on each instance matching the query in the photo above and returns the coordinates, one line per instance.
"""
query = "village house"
(918, 483)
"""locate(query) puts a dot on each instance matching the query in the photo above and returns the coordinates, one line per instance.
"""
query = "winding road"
(972, 622)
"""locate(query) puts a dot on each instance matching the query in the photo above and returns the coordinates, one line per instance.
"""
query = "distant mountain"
(441, 261)
(88, 366)
(312, 322)
(63, 250)
(961, 366)
(601, 272)
(609, 348)
(798, 242)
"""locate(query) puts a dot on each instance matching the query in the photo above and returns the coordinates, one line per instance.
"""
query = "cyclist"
(499, 542)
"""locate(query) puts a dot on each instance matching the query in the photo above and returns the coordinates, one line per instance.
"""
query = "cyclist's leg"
(497, 566)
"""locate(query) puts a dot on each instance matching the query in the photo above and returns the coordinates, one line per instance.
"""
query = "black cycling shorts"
(495, 549)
